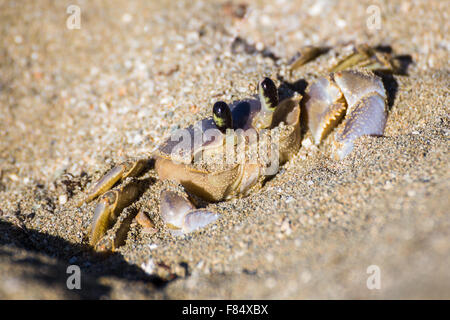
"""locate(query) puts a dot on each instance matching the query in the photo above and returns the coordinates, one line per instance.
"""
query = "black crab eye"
(268, 94)
(222, 116)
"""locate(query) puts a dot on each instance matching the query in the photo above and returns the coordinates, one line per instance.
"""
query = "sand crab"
(231, 153)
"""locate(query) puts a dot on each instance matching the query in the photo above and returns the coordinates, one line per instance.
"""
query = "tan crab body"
(237, 179)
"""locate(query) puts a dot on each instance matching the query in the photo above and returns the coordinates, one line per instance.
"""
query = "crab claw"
(357, 84)
(108, 209)
(360, 95)
(120, 172)
(324, 107)
(367, 118)
(180, 215)
(366, 112)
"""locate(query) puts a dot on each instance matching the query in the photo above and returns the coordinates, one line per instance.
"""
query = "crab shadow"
(29, 252)
(402, 63)
(44, 258)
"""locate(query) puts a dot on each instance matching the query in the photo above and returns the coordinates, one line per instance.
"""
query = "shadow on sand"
(14, 241)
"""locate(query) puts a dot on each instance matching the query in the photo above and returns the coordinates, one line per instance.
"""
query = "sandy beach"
(79, 96)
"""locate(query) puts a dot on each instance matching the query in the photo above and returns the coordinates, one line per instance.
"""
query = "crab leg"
(119, 172)
(305, 55)
(109, 207)
(364, 57)
(181, 216)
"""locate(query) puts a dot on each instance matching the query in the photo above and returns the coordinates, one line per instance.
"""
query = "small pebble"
(62, 199)
(148, 267)
(126, 18)
(411, 193)
(306, 143)
(340, 23)
(18, 39)
(305, 276)
(286, 227)
(147, 224)
(270, 283)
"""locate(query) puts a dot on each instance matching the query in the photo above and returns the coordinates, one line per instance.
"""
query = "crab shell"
(236, 180)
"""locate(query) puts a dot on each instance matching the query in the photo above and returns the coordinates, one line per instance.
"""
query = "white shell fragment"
(174, 208)
(198, 219)
(181, 216)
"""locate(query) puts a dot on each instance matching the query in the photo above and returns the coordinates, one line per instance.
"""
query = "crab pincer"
(359, 95)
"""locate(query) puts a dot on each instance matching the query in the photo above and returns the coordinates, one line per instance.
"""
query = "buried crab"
(233, 152)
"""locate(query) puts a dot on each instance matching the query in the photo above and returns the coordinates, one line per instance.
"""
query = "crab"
(233, 152)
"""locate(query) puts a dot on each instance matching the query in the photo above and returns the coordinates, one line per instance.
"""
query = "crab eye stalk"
(268, 94)
(222, 116)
